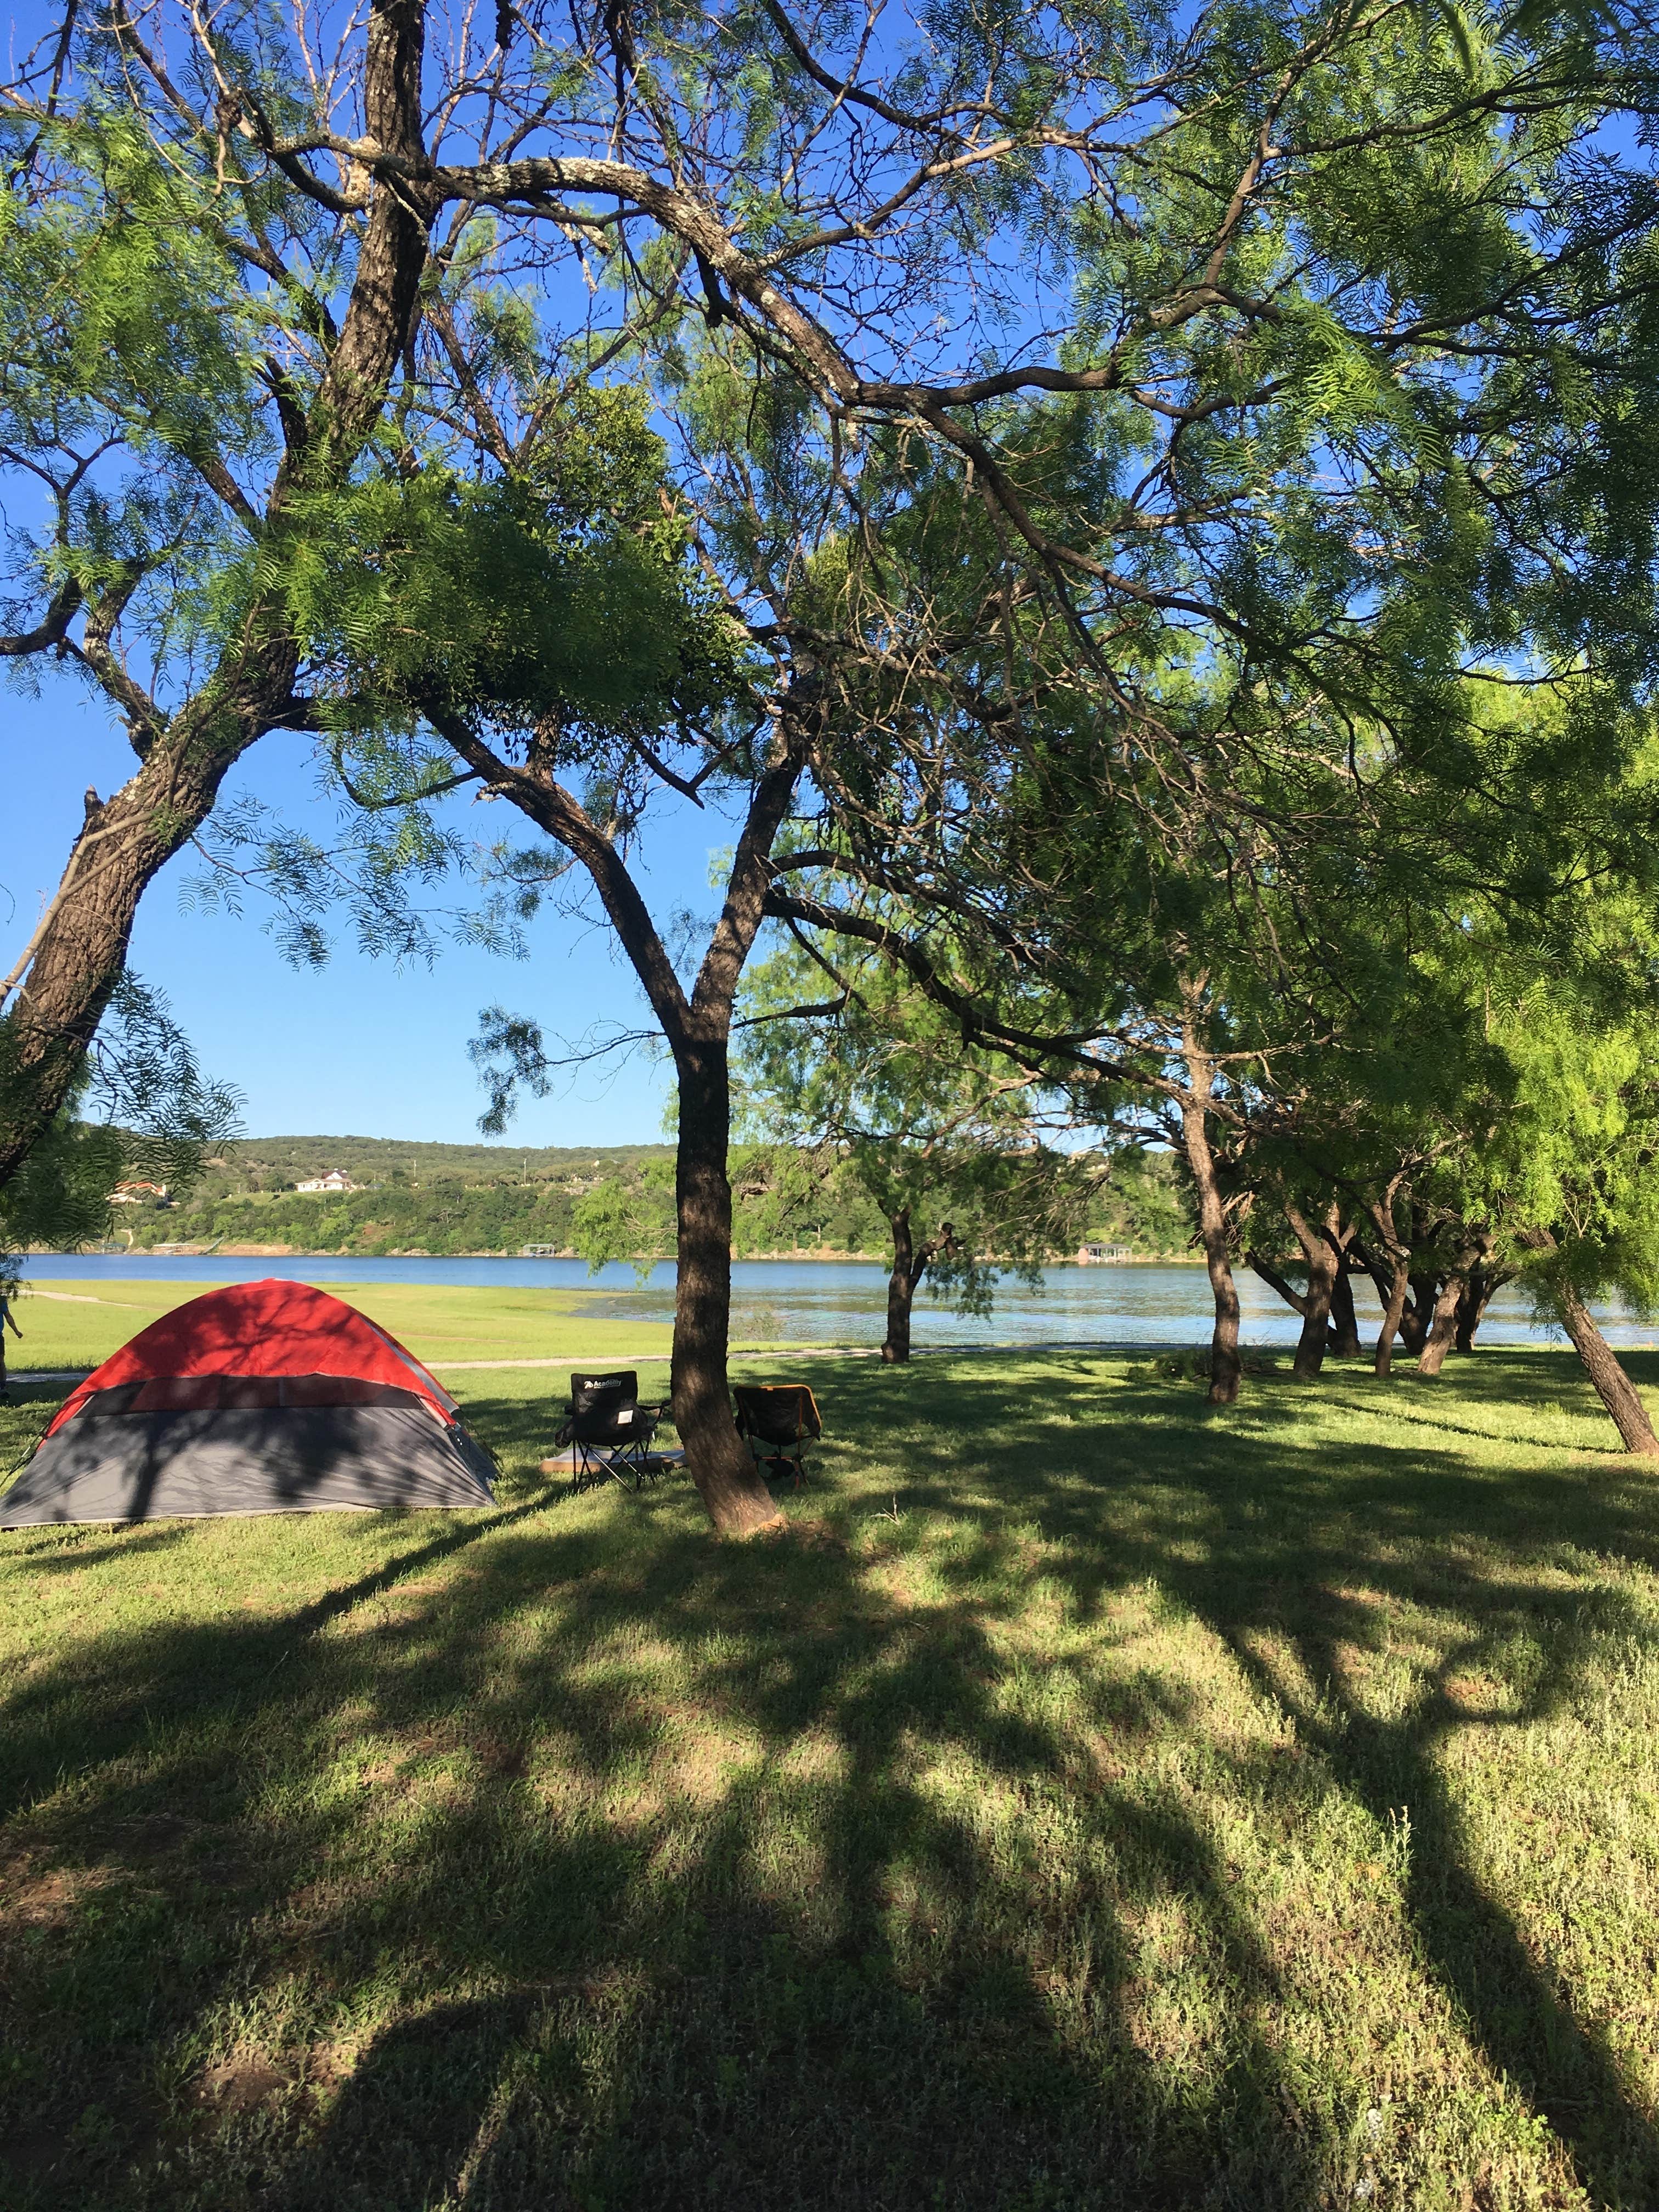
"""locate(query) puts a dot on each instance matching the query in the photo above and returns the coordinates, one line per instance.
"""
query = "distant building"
(336, 1179)
(1089, 1255)
(135, 1194)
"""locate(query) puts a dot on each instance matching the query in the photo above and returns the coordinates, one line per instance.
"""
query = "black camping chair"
(610, 1432)
(777, 1421)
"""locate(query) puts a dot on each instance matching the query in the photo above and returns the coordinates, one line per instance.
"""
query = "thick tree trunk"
(1417, 1314)
(1443, 1323)
(901, 1291)
(78, 953)
(1483, 1286)
(1324, 1259)
(911, 1261)
(1613, 1386)
(1344, 1322)
(728, 1481)
(1393, 1308)
(1225, 1368)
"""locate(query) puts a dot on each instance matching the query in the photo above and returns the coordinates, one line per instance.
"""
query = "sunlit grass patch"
(1113, 1803)
(73, 1323)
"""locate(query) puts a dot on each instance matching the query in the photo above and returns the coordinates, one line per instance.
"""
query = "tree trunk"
(901, 1291)
(1437, 1342)
(1613, 1386)
(1417, 1314)
(1323, 1258)
(1226, 1368)
(1382, 1276)
(1484, 1284)
(1399, 1283)
(728, 1481)
(697, 1031)
(910, 1263)
(1344, 1322)
(1466, 1319)
(79, 951)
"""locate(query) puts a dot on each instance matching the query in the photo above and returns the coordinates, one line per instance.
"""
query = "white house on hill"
(336, 1179)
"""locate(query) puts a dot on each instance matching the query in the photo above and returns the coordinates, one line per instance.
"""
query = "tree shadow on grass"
(688, 1875)
(1278, 1587)
(96, 1547)
(747, 1985)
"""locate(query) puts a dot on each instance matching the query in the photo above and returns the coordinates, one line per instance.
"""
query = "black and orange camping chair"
(610, 1432)
(777, 1421)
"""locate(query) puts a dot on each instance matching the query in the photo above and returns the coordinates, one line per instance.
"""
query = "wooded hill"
(448, 1199)
(278, 1164)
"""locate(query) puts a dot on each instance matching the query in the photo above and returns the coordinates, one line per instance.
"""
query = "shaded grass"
(76, 1323)
(1090, 1800)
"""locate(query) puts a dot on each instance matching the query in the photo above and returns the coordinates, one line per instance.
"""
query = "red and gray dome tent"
(259, 1398)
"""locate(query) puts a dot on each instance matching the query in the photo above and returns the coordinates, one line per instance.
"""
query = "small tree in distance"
(948, 1143)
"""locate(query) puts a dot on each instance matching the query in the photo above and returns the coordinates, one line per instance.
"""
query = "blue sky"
(359, 1049)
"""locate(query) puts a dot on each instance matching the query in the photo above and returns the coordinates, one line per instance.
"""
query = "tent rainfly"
(266, 1397)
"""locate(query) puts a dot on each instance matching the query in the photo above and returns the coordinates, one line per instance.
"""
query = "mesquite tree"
(194, 362)
(843, 1060)
(1126, 297)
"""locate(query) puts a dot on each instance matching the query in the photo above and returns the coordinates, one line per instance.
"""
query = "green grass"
(1090, 1800)
(77, 1324)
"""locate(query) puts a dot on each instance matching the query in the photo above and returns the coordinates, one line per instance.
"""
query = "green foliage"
(632, 1220)
(160, 1120)
(558, 589)
(59, 1198)
(873, 1077)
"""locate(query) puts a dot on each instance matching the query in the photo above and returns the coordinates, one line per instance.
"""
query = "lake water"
(834, 1301)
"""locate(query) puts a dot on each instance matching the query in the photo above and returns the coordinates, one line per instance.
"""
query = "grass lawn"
(77, 1324)
(1090, 1800)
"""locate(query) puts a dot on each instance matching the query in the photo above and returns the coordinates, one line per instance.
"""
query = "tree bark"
(1225, 1367)
(1324, 1258)
(1344, 1322)
(1277, 1281)
(1393, 1308)
(730, 1486)
(901, 1291)
(910, 1263)
(1466, 1319)
(1417, 1315)
(1442, 1326)
(82, 949)
(1613, 1386)
(1484, 1283)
